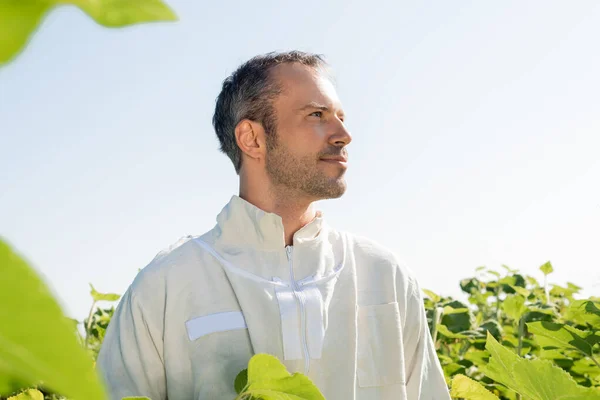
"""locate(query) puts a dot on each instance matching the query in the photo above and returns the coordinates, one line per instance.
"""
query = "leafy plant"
(513, 314)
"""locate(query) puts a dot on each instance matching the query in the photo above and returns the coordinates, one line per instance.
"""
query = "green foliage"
(268, 379)
(20, 18)
(37, 342)
(524, 322)
(534, 379)
(468, 389)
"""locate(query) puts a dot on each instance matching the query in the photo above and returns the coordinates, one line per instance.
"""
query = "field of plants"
(515, 338)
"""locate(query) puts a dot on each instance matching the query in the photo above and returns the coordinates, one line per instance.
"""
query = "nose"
(341, 137)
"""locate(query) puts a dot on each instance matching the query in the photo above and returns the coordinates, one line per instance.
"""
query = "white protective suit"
(336, 307)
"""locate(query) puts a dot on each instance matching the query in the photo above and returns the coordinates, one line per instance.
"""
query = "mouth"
(336, 160)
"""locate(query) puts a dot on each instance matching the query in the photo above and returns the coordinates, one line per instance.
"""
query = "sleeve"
(131, 357)
(424, 375)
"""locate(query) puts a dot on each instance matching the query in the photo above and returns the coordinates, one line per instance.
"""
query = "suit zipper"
(299, 295)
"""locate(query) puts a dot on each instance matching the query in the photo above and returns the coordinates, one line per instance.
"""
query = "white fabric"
(365, 325)
(200, 326)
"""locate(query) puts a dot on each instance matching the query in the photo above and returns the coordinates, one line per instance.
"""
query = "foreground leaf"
(466, 388)
(37, 342)
(534, 379)
(30, 394)
(118, 13)
(268, 379)
(19, 18)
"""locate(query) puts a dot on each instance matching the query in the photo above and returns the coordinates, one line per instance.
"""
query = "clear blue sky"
(476, 134)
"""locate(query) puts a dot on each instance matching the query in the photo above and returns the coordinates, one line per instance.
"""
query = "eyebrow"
(314, 105)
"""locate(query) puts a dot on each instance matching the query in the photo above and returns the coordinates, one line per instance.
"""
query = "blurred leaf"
(561, 335)
(466, 388)
(29, 394)
(135, 398)
(453, 369)
(547, 268)
(456, 319)
(492, 326)
(583, 312)
(241, 380)
(442, 329)
(25, 353)
(119, 13)
(97, 296)
(514, 307)
(469, 285)
(492, 272)
(434, 297)
(560, 291)
(20, 18)
(509, 270)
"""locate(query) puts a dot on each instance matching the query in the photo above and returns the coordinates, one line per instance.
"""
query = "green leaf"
(442, 329)
(522, 291)
(466, 388)
(453, 369)
(561, 335)
(583, 312)
(268, 379)
(514, 307)
(20, 18)
(547, 268)
(509, 270)
(37, 342)
(241, 380)
(470, 285)
(533, 379)
(97, 296)
(136, 398)
(118, 13)
(434, 297)
(30, 394)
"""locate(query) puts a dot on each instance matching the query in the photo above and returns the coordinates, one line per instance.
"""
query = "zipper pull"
(288, 251)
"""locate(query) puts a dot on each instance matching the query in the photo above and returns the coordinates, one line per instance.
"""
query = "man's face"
(310, 132)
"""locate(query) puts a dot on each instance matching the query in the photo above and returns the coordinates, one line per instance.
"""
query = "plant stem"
(437, 316)
(594, 360)
(521, 331)
(89, 325)
(498, 291)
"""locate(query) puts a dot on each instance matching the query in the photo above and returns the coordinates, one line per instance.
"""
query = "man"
(272, 276)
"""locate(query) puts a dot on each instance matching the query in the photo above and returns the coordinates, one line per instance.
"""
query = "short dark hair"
(248, 93)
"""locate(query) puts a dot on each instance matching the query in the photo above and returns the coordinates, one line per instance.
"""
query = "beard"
(301, 174)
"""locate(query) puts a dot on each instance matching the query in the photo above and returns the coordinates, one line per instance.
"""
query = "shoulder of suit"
(374, 253)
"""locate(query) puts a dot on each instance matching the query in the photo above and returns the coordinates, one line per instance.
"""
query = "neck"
(294, 212)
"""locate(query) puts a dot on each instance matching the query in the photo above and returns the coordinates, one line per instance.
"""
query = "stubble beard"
(300, 175)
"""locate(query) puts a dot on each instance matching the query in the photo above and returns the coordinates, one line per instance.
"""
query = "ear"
(250, 138)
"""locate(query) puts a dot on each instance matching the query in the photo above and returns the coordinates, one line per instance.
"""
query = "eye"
(317, 114)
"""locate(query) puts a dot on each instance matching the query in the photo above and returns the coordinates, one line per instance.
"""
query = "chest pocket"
(380, 349)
